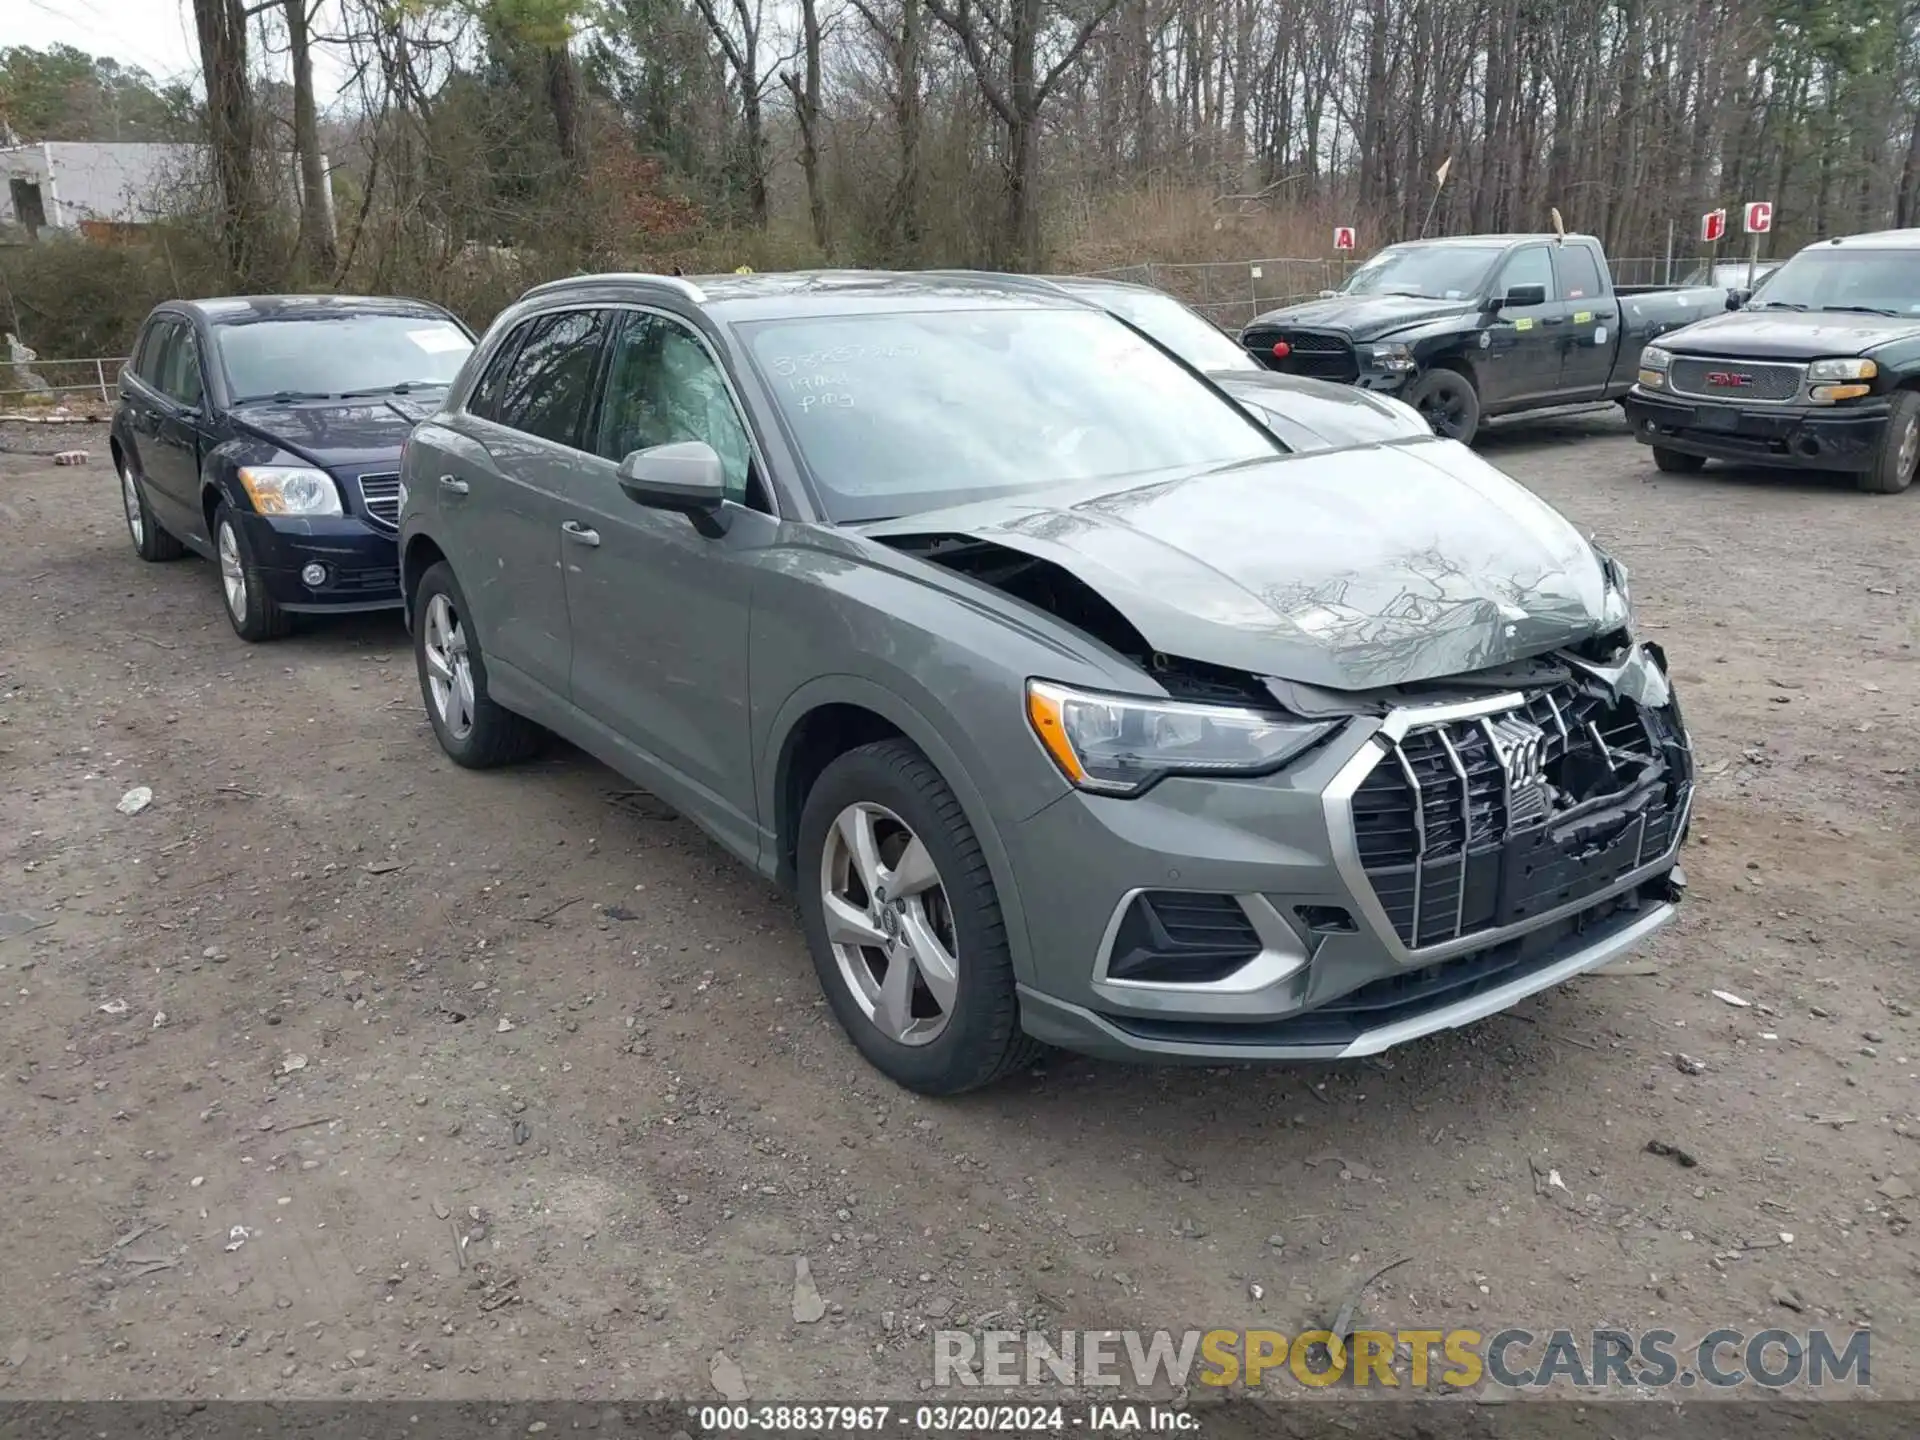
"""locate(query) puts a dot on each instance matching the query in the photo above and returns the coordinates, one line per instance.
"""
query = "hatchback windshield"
(1167, 321)
(1438, 272)
(899, 413)
(334, 355)
(1878, 282)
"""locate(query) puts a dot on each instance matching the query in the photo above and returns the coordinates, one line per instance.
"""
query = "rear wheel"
(254, 614)
(472, 728)
(1899, 453)
(1676, 463)
(904, 925)
(150, 542)
(1448, 402)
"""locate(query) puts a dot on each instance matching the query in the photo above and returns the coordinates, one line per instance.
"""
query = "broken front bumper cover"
(1498, 988)
(1803, 437)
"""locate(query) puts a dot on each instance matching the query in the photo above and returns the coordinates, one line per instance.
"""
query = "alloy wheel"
(449, 667)
(1444, 408)
(130, 497)
(1909, 455)
(233, 572)
(889, 923)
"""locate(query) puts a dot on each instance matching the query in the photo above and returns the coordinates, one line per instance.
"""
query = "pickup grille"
(1451, 848)
(1312, 353)
(1735, 379)
(380, 494)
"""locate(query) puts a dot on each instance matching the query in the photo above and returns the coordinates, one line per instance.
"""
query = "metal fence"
(29, 385)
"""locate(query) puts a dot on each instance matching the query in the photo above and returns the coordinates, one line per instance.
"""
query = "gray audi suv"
(1075, 708)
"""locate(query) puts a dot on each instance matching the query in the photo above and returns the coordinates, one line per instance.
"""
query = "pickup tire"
(1448, 402)
(1676, 463)
(1899, 452)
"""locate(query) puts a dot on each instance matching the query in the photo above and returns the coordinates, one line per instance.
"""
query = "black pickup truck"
(1820, 370)
(1476, 327)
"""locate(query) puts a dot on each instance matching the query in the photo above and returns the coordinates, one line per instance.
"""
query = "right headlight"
(1121, 744)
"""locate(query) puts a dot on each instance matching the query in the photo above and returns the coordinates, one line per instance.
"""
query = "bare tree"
(222, 29)
(317, 241)
(806, 114)
(738, 34)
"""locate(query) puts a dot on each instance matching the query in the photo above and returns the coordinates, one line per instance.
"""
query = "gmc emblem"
(1728, 380)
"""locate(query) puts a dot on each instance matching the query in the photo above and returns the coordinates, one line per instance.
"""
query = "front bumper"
(1326, 969)
(362, 562)
(1843, 438)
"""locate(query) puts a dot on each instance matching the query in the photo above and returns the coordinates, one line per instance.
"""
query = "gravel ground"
(339, 1070)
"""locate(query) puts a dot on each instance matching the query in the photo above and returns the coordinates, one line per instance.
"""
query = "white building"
(64, 185)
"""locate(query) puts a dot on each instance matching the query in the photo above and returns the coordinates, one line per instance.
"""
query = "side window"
(1531, 266)
(485, 399)
(149, 364)
(1579, 275)
(663, 386)
(185, 384)
(547, 387)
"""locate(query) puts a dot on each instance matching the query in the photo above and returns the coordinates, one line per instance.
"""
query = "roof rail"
(673, 282)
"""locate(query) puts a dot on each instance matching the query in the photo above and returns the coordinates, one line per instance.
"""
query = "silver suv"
(1075, 708)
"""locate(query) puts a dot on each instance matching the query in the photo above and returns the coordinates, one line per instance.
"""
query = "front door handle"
(453, 485)
(574, 530)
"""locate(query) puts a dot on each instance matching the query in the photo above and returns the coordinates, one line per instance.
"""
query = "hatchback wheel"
(904, 925)
(150, 542)
(471, 728)
(253, 612)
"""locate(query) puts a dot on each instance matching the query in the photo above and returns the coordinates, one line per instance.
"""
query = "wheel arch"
(834, 714)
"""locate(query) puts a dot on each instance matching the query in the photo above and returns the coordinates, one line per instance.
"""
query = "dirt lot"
(341, 1070)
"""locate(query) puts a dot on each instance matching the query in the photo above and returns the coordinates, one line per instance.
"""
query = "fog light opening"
(314, 575)
(1809, 446)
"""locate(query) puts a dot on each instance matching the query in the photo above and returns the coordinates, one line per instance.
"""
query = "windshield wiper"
(1860, 310)
(401, 389)
(1779, 305)
(282, 397)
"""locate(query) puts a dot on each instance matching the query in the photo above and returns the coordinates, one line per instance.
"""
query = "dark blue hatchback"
(264, 432)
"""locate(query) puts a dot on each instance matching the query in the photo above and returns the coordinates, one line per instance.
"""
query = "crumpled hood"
(1349, 570)
(1788, 334)
(1312, 414)
(1364, 317)
(338, 434)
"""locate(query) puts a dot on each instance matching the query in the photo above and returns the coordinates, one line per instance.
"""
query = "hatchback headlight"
(290, 490)
(1842, 370)
(1120, 745)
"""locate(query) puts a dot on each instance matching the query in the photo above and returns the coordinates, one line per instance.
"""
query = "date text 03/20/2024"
(937, 1419)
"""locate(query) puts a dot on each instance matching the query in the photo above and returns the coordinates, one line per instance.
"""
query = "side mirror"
(1329, 294)
(1737, 297)
(685, 477)
(1519, 297)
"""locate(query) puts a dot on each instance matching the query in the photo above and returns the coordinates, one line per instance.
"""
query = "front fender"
(958, 770)
(220, 467)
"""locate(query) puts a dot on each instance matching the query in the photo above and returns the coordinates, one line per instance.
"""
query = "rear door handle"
(453, 485)
(574, 530)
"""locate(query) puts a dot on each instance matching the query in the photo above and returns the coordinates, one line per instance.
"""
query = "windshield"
(1438, 272)
(899, 413)
(1187, 334)
(1880, 282)
(334, 355)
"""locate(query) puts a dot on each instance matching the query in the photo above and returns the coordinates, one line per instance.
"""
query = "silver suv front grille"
(1452, 824)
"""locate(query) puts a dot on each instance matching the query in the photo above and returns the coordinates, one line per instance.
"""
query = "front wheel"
(1448, 402)
(904, 925)
(1899, 453)
(254, 614)
(1674, 462)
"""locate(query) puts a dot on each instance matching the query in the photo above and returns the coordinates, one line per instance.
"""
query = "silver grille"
(1740, 380)
(1434, 816)
(380, 494)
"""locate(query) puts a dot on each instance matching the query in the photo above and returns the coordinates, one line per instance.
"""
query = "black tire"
(151, 542)
(982, 1041)
(1448, 402)
(1675, 462)
(494, 735)
(1899, 452)
(255, 616)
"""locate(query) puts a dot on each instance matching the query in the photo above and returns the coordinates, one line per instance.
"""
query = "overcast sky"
(156, 35)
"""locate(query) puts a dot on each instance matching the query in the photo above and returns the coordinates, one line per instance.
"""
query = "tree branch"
(1080, 39)
(969, 38)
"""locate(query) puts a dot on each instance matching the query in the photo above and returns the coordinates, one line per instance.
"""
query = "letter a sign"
(1759, 216)
(1343, 237)
(1713, 225)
